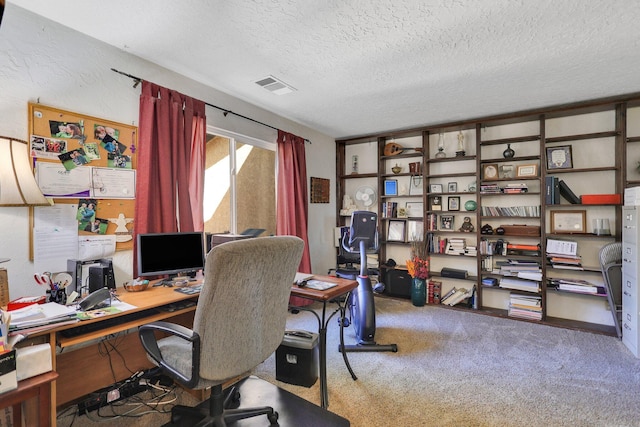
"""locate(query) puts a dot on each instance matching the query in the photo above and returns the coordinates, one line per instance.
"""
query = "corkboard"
(320, 190)
(55, 134)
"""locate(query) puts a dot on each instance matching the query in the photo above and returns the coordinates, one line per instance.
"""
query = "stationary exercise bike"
(362, 237)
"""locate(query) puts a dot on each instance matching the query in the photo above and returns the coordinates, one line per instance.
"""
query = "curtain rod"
(138, 80)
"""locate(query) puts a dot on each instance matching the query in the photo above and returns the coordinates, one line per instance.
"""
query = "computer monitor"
(172, 254)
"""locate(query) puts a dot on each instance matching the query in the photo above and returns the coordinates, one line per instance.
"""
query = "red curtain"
(170, 175)
(291, 203)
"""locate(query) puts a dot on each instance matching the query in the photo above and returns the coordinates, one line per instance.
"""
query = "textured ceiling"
(362, 67)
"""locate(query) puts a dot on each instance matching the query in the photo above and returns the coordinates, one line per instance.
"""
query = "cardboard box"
(33, 360)
(600, 199)
(8, 376)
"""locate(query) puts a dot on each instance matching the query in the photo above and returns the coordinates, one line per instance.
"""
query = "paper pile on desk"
(39, 315)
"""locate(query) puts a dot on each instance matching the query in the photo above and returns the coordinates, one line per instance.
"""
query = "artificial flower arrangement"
(418, 265)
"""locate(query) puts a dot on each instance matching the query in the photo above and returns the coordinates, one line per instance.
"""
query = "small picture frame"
(395, 232)
(454, 203)
(415, 231)
(568, 222)
(415, 185)
(452, 187)
(414, 209)
(390, 187)
(506, 172)
(435, 188)
(527, 171)
(490, 171)
(436, 203)
(402, 213)
(446, 222)
(559, 157)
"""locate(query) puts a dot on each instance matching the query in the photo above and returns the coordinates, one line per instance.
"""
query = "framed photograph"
(452, 187)
(436, 203)
(415, 231)
(559, 157)
(527, 171)
(454, 203)
(568, 222)
(415, 185)
(390, 187)
(414, 209)
(435, 188)
(506, 172)
(395, 233)
(446, 222)
(490, 171)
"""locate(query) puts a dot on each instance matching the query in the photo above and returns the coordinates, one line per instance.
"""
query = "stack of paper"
(525, 306)
(38, 315)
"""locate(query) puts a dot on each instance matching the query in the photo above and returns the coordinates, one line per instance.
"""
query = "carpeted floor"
(455, 368)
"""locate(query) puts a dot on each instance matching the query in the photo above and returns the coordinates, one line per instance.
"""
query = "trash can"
(297, 358)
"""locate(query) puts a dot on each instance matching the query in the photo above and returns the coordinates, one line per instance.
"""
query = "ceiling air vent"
(274, 85)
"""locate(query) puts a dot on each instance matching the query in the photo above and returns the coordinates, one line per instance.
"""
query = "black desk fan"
(363, 237)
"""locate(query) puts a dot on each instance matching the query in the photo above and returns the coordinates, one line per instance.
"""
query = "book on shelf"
(519, 284)
(552, 191)
(566, 192)
(448, 294)
(489, 281)
(525, 307)
(456, 297)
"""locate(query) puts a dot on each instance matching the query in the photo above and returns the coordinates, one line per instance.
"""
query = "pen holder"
(57, 295)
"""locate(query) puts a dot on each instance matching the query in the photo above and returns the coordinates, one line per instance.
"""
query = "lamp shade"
(18, 186)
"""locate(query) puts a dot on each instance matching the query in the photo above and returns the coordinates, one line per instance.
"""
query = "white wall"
(41, 61)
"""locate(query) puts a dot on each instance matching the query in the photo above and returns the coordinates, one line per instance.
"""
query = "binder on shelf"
(551, 195)
(566, 192)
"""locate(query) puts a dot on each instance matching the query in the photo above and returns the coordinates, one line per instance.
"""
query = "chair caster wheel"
(273, 418)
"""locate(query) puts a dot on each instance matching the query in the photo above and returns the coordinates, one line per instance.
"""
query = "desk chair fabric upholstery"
(611, 265)
(240, 317)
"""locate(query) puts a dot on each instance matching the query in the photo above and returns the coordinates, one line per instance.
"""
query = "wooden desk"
(73, 357)
(38, 387)
(344, 287)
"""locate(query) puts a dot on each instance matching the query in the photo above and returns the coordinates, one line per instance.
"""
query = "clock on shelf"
(490, 171)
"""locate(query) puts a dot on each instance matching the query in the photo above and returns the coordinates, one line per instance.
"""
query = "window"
(240, 183)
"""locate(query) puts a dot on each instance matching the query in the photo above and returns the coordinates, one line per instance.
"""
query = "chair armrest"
(150, 344)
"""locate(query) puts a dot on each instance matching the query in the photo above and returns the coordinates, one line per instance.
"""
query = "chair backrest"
(611, 265)
(242, 307)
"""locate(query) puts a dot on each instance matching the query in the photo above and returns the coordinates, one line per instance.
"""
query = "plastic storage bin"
(297, 358)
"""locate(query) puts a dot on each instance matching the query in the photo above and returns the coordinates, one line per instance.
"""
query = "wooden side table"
(38, 386)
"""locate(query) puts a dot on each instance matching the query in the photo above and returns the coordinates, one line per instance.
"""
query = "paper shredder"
(297, 358)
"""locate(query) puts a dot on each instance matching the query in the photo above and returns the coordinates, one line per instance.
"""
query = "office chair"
(611, 265)
(239, 322)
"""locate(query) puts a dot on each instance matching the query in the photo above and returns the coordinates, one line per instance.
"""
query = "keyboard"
(105, 322)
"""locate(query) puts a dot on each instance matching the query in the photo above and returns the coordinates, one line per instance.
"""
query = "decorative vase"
(396, 169)
(470, 205)
(508, 153)
(418, 292)
(441, 154)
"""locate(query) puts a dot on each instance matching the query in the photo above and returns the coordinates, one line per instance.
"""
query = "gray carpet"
(455, 368)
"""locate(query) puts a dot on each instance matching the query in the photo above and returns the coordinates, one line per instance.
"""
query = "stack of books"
(455, 246)
(389, 209)
(525, 306)
(489, 189)
(577, 285)
(564, 261)
(515, 188)
(520, 284)
(524, 269)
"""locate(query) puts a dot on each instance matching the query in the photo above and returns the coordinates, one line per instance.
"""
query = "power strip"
(108, 396)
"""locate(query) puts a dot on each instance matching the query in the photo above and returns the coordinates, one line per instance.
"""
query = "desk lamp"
(18, 187)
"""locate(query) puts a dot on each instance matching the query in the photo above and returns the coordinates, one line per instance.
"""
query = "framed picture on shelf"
(452, 187)
(559, 157)
(454, 203)
(527, 171)
(435, 188)
(390, 187)
(415, 185)
(414, 209)
(490, 171)
(446, 222)
(506, 172)
(395, 233)
(415, 231)
(436, 203)
(568, 222)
